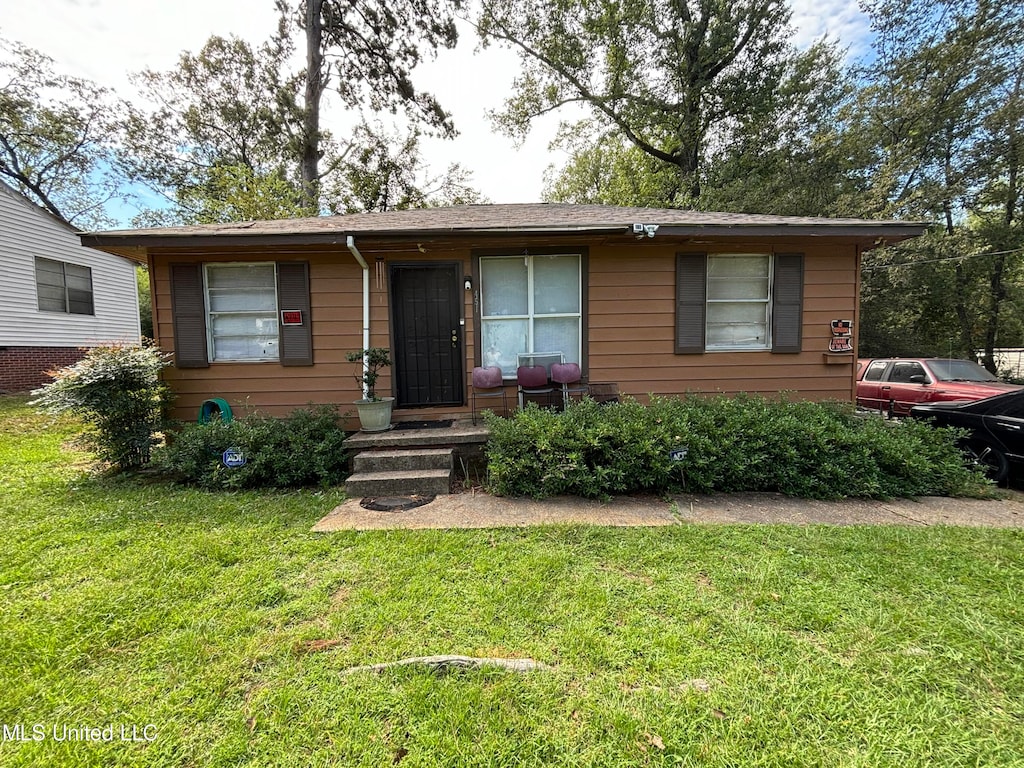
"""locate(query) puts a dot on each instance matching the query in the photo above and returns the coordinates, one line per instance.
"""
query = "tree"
(57, 137)
(388, 173)
(227, 141)
(365, 52)
(681, 81)
(942, 110)
(221, 138)
(606, 169)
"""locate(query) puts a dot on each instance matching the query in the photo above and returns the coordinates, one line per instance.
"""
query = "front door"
(426, 310)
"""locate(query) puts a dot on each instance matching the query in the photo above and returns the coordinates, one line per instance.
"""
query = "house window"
(738, 301)
(241, 306)
(529, 304)
(733, 301)
(63, 287)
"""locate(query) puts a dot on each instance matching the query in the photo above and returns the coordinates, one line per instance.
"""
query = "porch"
(416, 460)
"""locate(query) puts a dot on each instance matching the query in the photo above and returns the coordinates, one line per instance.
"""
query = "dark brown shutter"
(787, 303)
(691, 297)
(189, 311)
(293, 294)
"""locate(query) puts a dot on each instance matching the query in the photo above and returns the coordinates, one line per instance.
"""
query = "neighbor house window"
(63, 287)
(739, 301)
(241, 305)
(529, 304)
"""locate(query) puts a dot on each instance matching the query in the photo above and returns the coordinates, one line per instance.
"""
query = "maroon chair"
(569, 377)
(533, 380)
(487, 383)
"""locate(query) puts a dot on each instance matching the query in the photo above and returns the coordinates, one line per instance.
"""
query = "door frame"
(461, 319)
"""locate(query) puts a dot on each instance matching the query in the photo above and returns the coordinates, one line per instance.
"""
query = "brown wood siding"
(632, 340)
(630, 320)
(336, 316)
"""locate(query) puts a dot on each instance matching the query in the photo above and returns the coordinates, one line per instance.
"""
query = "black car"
(996, 425)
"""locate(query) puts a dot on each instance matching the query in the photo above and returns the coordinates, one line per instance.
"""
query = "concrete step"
(395, 460)
(405, 482)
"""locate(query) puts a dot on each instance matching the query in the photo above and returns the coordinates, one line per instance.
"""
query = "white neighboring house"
(56, 297)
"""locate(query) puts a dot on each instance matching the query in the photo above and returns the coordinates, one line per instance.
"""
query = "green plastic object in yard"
(215, 408)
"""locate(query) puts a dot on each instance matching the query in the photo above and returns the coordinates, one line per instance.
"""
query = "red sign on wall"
(291, 317)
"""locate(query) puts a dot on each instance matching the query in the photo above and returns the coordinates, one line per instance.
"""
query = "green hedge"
(303, 449)
(742, 443)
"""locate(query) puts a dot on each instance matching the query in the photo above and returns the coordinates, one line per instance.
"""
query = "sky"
(106, 40)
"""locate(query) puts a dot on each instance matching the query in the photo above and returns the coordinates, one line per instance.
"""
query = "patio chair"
(533, 380)
(569, 377)
(487, 383)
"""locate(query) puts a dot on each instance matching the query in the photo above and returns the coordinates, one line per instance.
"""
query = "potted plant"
(374, 412)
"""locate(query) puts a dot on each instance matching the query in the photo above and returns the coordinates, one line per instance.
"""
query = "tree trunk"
(315, 77)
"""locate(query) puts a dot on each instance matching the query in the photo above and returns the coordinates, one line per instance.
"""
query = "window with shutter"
(230, 312)
(734, 301)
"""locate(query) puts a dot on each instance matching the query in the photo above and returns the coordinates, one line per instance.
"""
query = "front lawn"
(221, 623)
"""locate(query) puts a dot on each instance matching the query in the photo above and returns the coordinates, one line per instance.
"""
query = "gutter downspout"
(351, 243)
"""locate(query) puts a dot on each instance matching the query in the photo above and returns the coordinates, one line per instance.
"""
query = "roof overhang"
(134, 245)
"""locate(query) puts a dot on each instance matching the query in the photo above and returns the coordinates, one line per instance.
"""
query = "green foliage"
(217, 134)
(117, 391)
(145, 302)
(940, 114)
(301, 450)
(731, 444)
(387, 172)
(57, 137)
(370, 362)
(679, 80)
(223, 620)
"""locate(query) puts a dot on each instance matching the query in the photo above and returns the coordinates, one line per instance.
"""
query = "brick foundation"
(24, 368)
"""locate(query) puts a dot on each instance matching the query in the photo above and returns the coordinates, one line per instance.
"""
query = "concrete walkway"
(479, 510)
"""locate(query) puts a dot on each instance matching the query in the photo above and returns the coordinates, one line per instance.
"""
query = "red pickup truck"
(894, 385)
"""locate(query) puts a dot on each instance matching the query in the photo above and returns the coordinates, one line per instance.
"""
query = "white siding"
(27, 232)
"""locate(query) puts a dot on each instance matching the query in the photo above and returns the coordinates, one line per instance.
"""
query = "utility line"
(935, 261)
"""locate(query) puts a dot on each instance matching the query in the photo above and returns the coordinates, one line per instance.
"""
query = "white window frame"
(569, 355)
(766, 302)
(210, 314)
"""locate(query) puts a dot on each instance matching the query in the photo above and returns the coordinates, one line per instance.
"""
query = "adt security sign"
(233, 457)
(678, 454)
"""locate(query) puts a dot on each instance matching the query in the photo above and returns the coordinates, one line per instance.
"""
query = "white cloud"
(839, 19)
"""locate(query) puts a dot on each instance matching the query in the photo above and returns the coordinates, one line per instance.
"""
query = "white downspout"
(351, 243)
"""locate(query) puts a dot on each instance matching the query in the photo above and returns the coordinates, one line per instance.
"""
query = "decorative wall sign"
(842, 336)
(291, 317)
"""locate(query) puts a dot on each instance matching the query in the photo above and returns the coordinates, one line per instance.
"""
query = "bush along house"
(261, 314)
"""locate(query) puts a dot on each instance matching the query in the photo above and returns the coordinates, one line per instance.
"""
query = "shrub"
(729, 444)
(303, 449)
(117, 391)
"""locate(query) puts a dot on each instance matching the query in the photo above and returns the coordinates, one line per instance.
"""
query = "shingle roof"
(526, 217)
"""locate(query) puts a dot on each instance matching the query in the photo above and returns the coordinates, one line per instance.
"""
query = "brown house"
(656, 301)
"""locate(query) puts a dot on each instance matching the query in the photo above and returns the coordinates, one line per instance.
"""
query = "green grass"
(222, 622)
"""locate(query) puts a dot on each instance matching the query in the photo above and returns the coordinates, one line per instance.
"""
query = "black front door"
(425, 302)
